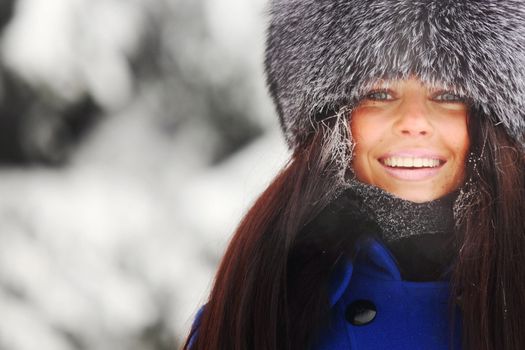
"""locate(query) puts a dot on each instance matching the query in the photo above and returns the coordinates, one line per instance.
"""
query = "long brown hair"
(489, 276)
(262, 300)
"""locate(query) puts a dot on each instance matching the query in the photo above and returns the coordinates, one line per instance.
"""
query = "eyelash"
(451, 97)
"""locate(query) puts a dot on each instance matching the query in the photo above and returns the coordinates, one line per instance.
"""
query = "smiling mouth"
(411, 162)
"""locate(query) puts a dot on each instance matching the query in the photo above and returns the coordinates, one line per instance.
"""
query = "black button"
(360, 312)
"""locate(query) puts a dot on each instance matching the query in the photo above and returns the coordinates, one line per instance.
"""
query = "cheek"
(365, 129)
(361, 167)
(368, 130)
(365, 141)
(460, 139)
(456, 137)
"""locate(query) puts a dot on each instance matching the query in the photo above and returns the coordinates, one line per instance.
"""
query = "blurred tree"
(6, 12)
(156, 96)
(35, 126)
(39, 128)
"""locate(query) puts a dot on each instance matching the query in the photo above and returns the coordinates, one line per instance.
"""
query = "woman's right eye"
(379, 95)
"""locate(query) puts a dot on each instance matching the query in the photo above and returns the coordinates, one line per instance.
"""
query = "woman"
(398, 222)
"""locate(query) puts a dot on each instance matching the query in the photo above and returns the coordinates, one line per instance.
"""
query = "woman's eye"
(449, 97)
(379, 96)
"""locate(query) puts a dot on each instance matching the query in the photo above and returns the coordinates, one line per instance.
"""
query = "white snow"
(128, 234)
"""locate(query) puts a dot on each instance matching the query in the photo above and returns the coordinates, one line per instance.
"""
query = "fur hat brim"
(323, 54)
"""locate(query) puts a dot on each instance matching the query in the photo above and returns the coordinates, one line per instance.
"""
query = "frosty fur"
(324, 54)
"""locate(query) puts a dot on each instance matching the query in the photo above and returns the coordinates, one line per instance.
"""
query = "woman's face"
(410, 140)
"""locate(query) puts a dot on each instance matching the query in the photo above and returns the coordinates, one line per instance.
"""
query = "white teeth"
(411, 162)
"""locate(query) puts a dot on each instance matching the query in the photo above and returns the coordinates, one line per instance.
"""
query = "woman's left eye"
(448, 96)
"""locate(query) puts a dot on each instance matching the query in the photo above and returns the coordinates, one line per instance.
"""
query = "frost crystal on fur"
(324, 54)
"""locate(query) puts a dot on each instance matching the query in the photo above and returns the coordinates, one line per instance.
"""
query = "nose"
(413, 118)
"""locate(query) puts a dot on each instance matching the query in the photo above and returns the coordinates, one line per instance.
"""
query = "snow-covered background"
(134, 134)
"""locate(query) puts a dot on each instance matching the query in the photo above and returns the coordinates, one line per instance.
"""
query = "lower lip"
(412, 174)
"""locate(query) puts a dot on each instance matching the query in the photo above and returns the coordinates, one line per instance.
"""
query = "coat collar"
(372, 258)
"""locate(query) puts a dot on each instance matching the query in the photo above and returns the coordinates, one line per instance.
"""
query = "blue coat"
(372, 307)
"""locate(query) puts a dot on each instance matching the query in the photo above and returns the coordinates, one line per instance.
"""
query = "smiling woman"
(410, 140)
(398, 221)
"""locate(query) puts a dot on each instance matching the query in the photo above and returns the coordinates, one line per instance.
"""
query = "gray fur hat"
(322, 54)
